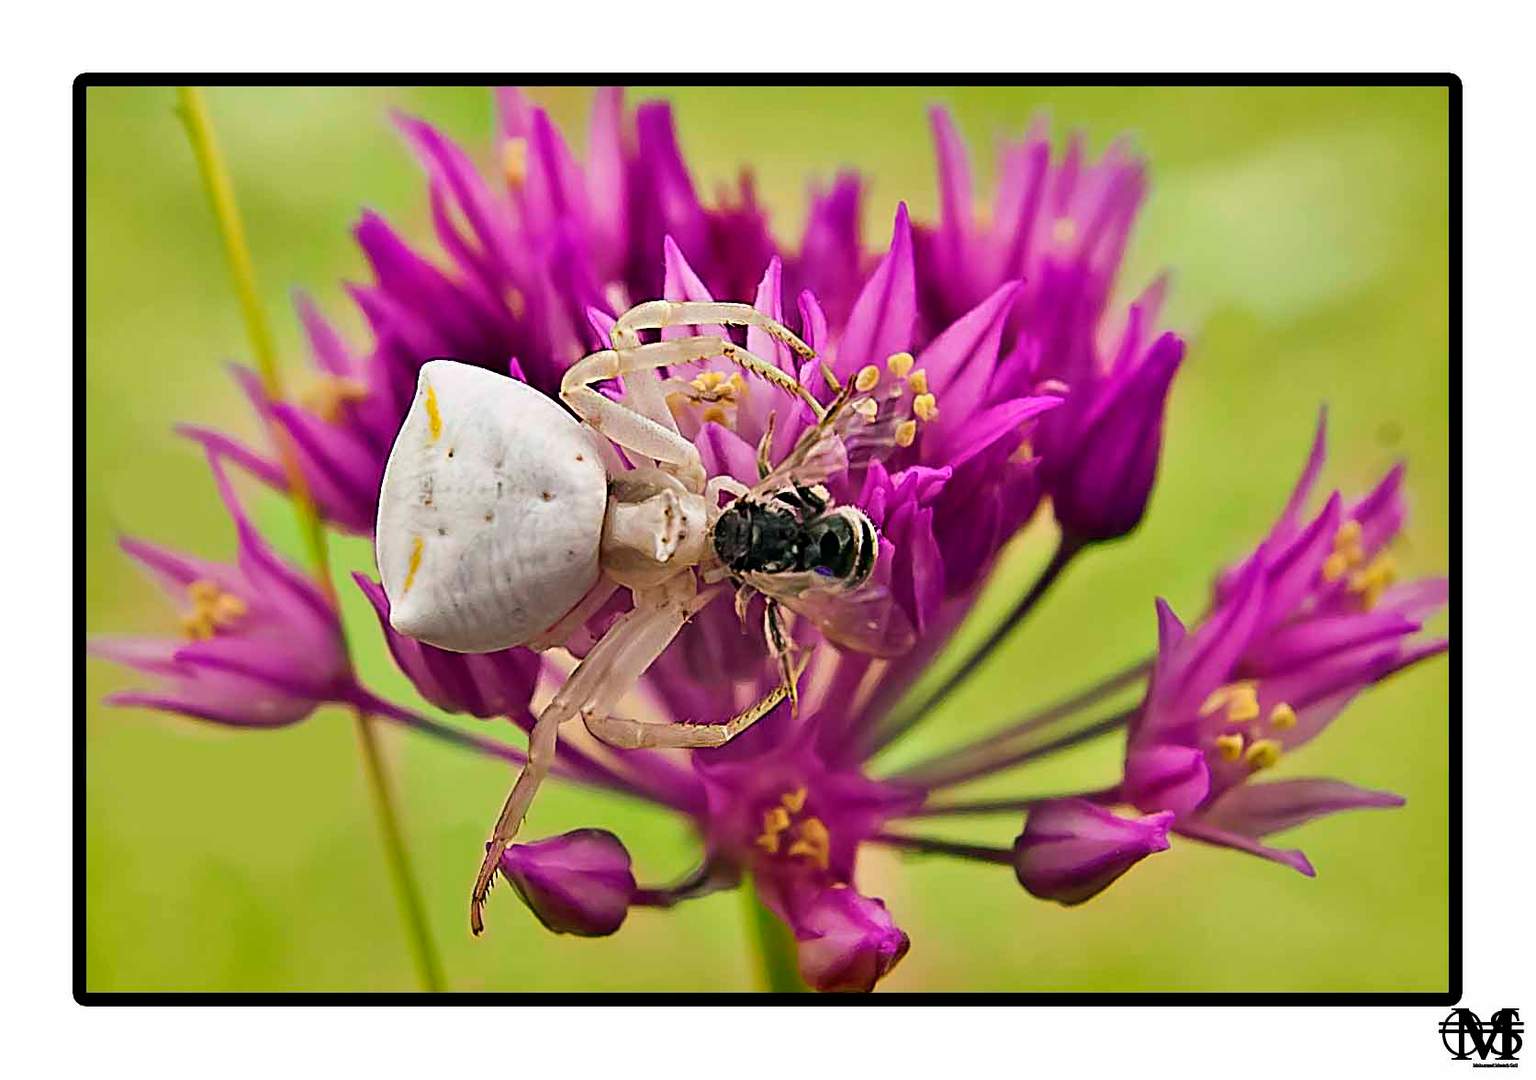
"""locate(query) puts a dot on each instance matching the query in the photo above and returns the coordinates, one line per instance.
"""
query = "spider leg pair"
(667, 595)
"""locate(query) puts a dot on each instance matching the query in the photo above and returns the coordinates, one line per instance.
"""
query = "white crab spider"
(500, 525)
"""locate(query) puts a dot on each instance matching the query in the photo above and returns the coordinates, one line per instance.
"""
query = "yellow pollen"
(713, 415)
(1231, 746)
(212, 609)
(814, 842)
(794, 801)
(326, 395)
(769, 842)
(1223, 695)
(1262, 753)
(1243, 705)
(1025, 451)
(867, 378)
(415, 565)
(1374, 580)
(925, 406)
(1347, 536)
(197, 625)
(1282, 717)
(228, 607)
(775, 820)
(1064, 231)
(867, 408)
(202, 591)
(906, 432)
(918, 381)
(900, 364)
(1334, 566)
(434, 418)
(514, 161)
(737, 384)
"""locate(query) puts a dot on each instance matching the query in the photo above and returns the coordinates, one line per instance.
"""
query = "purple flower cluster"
(1014, 381)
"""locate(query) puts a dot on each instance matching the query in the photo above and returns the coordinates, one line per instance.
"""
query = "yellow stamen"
(714, 414)
(434, 418)
(1231, 746)
(1262, 753)
(202, 591)
(814, 841)
(1243, 705)
(1347, 536)
(227, 608)
(1222, 695)
(1334, 566)
(900, 364)
(1282, 717)
(212, 609)
(197, 625)
(769, 842)
(918, 381)
(906, 432)
(737, 384)
(867, 408)
(410, 573)
(925, 406)
(514, 161)
(1374, 580)
(867, 378)
(775, 820)
(794, 801)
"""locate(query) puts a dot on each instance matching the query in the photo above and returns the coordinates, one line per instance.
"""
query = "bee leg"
(782, 649)
(612, 666)
(717, 484)
(765, 449)
(627, 734)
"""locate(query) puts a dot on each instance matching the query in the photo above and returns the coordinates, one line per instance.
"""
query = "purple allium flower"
(1060, 228)
(1309, 620)
(1002, 376)
(260, 646)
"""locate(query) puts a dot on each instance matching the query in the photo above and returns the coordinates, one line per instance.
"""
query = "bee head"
(733, 535)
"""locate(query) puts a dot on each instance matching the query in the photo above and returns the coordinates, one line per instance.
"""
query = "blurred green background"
(1308, 234)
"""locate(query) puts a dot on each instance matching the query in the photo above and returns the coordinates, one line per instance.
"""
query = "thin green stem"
(193, 111)
(772, 943)
(429, 967)
(906, 716)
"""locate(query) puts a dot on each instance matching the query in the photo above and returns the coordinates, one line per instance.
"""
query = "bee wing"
(818, 455)
(866, 620)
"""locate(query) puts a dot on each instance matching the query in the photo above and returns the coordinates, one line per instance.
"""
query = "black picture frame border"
(1453, 991)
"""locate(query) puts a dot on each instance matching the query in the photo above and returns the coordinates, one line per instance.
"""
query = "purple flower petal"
(1071, 850)
(579, 883)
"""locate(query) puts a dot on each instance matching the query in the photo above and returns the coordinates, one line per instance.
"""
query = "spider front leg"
(612, 666)
(627, 734)
(660, 314)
